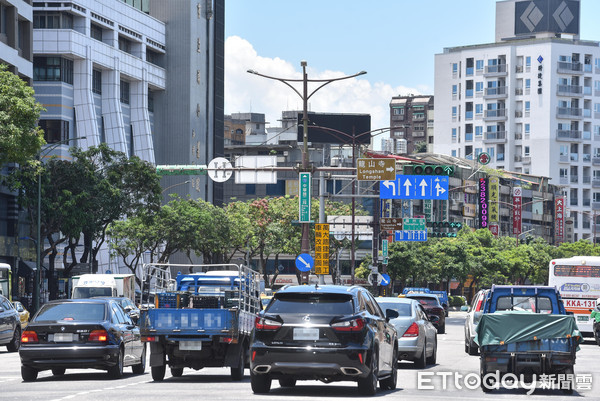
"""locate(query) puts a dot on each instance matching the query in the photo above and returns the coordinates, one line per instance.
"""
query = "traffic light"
(443, 229)
(428, 169)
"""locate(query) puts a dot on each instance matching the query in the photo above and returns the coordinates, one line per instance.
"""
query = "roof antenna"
(316, 285)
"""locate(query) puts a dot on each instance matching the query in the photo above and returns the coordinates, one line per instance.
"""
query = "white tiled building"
(531, 100)
(96, 67)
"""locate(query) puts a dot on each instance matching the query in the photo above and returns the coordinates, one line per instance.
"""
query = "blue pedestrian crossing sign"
(305, 262)
(415, 187)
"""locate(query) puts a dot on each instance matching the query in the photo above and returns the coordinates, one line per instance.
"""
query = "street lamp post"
(38, 264)
(305, 95)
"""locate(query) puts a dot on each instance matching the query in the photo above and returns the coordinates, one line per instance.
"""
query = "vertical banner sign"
(406, 208)
(483, 204)
(517, 193)
(304, 197)
(559, 218)
(321, 248)
(493, 197)
(428, 209)
(384, 251)
(386, 208)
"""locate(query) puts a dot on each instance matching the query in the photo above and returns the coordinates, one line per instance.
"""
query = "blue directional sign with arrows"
(415, 187)
(305, 262)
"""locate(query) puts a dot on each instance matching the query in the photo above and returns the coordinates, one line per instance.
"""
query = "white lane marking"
(84, 393)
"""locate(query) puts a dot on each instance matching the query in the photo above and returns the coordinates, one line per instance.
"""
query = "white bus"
(578, 281)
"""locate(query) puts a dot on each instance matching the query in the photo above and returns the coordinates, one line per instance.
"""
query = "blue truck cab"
(536, 299)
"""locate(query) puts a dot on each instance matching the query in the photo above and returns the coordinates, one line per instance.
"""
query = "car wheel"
(58, 371)
(473, 349)
(422, 361)
(442, 329)
(567, 385)
(466, 347)
(29, 374)
(116, 372)
(237, 372)
(287, 382)
(158, 373)
(390, 382)
(141, 367)
(368, 385)
(433, 358)
(260, 384)
(487, 385)
(176, 372)
(15, 343)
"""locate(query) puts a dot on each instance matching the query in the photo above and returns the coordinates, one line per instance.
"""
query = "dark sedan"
(432, 306)
(80, 334)
(328, 333)
(10, 325)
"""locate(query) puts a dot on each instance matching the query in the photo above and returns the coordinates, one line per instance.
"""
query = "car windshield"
(524, 303)
(402, 308)
(427, 301)
(71, 312)
(89, 292)
(318, 304)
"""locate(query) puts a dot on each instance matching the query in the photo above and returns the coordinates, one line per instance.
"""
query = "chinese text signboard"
(304, 195)
(517, 203)
(559, 210)
(483, 203)
(390, 224)
(376, 169)
(321, 248)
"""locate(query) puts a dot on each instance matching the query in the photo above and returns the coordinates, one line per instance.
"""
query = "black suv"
(328, 333)
(10, 325)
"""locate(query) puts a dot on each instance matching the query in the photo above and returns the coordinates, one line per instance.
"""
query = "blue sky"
(393, 40)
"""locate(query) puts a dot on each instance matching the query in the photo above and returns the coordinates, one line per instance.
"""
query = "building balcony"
(569, 90)
(518, 113)
(518, 136)
(568, 135)
(495, 137)
(495, 70)
(574, 179)
(596, 205)
(563, 159)
(526, 160)
(518, 91)
(418, 117)
(563, 180)
(418, 134)
(586, 179)
(596, 160)
(495, 93)
(586, 158)
(518, 158)
(398, 117)
(569, 112)
(518, 68)
(573, 201)
(495, 115)
(569, 68)
(596, 183)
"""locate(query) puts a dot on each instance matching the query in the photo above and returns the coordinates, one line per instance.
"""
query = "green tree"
(20, 137)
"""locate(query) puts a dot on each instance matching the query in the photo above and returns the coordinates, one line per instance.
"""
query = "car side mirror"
(434, 318)
(391, 314)
(464, 308)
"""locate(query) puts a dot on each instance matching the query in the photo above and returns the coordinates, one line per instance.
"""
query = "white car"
(473, 316)
(417, 337)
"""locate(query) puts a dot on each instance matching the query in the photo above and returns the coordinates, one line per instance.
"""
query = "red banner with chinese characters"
(559, 218)
(517, 203)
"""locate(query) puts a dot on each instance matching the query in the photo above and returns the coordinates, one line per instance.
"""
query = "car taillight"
(412, 331)
(98, 336)
(262, 323)
(29, 337)
(349, 325)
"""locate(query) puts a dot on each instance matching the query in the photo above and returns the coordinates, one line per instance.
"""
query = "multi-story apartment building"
(15, 37)
(530, 100)
(411, 122)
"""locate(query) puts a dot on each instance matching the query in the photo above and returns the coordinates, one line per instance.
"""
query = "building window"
(52, 20)
(527, 129)
(124, 92)
(478, 87)
(150, 101)
(454, 68)
(491, 151)
(527, 108)
(97, 81)
(454, 112)
(478, 109)
(53, 69)
(479, 65)
(454, 134)
(250, 189)
(528, 63)
(398, 111)
(124, 45)
(478, 131)
(526, 151)
(453, 152)
(131, 142)
(96, 32)
(55, 130)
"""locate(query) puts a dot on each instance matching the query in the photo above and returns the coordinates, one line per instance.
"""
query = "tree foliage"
(20, 137)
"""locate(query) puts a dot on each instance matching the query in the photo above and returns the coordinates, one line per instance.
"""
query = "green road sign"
(414, 224)
(384, 248)
(304, 197)
(180, 170)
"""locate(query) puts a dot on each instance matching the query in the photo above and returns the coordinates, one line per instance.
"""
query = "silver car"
(473, 317)
(417, 336)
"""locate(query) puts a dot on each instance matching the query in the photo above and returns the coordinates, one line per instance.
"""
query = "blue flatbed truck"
(526, 331)
(206, 321)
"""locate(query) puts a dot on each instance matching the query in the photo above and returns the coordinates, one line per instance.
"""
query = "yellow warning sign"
(321, 248)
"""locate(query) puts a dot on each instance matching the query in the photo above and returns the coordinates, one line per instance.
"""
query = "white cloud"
(246, 92)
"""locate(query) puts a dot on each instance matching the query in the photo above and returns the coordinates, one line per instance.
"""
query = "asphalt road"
(215, 384)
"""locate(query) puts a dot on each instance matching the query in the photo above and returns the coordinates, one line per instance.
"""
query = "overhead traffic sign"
(414, 224)
(415, 187)
(304, 262)
(406, 235)
(220, 169)
(375, 169)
